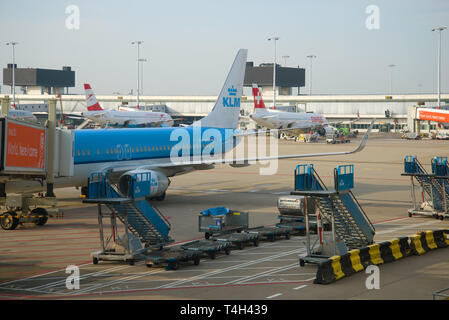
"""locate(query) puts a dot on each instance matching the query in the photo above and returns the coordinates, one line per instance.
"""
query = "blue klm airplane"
(165, 152)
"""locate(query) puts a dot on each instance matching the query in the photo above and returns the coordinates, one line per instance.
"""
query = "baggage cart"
(270, 233)
(208, 248)
(297, 228)
(171, 257)
(221, 220)
(239, 239)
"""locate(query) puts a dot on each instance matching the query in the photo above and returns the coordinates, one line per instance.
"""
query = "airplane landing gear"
(19, 210)
(9, 220)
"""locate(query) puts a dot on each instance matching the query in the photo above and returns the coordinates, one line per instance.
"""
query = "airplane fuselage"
(128, 117)
(120, 149)
(274, 119)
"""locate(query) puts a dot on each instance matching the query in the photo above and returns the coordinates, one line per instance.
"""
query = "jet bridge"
(30, 151)
(24, 151)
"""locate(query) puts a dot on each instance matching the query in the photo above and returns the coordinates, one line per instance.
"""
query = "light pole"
(138, 69)
(391, 66)
(274, 70)
(285, 60)
(13, 44)
(141, 74)
(439, 29)
(311, 56)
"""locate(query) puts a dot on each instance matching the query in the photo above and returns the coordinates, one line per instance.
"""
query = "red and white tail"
(258, 101)
(91, 100)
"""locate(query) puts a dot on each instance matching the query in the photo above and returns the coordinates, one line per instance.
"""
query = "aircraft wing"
(359, 148)
(73, 116)
(189, 163)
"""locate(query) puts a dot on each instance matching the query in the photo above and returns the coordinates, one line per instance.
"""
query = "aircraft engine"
(145, 183)
(321, 131)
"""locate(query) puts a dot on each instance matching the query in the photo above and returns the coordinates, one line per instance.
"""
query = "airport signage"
(436, 115)
(23, 147)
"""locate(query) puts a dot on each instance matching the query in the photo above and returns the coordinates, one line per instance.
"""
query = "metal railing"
(361, 210)
(316, 175)
(444, 293)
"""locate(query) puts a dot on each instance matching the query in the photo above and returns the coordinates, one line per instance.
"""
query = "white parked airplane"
(156, 151)
(124, 117)
(275, 119)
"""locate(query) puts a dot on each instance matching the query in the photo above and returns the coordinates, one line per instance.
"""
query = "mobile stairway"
(434, 187)
(144, 226)
(351, 227)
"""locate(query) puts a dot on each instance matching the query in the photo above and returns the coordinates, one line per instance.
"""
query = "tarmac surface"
(33, 260)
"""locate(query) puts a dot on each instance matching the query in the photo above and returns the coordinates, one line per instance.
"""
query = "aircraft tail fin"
(259, 105)
(91, 100)
(225, 113)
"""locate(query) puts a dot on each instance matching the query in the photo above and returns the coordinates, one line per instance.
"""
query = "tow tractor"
(336, 137)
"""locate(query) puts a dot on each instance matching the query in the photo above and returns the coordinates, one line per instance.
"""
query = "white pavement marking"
(39, 275)
(94, 274)
(176, 283)
(274, 296)
(86, 276)
(300, 287)
(111, 283)
(410, 226)
(245, 264)
(264, 273)
(239, 280)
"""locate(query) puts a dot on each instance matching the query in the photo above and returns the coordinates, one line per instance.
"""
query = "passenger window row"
(134, 150)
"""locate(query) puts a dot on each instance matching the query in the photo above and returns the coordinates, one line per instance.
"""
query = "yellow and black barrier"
(429, 240)
(441, 238)
(394, 249)
(337, 267)
(356, 260)
(329, 271)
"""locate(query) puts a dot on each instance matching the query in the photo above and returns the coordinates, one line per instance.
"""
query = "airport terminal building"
(393, 112)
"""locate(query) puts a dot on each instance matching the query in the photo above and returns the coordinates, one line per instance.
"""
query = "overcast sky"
(190, 45)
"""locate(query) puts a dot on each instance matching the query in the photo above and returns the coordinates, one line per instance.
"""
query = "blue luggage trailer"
(221, 220)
